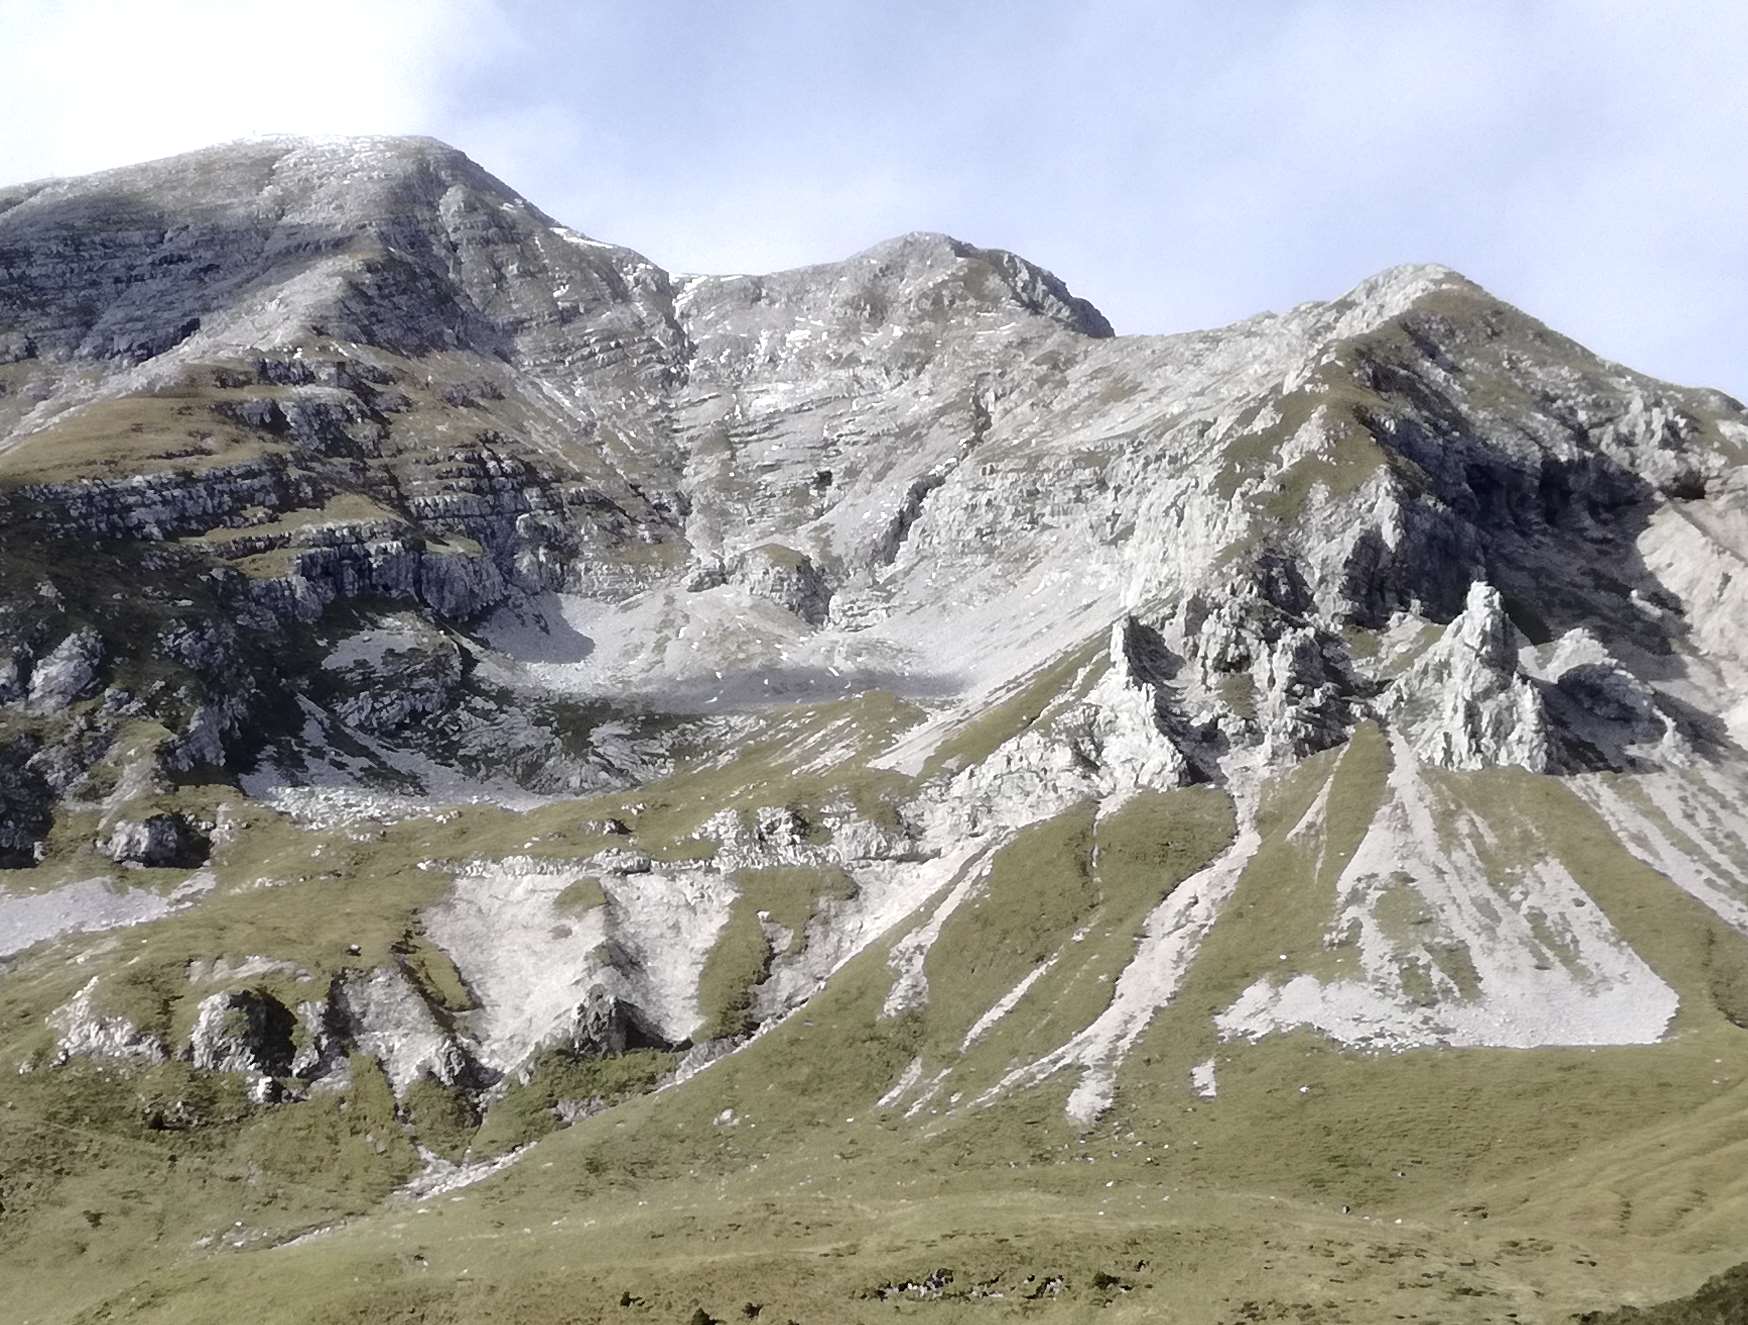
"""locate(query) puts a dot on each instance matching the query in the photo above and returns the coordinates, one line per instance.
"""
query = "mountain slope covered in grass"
(536, 787)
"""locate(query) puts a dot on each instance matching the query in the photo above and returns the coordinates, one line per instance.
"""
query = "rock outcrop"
(26, 805)
(158, 841)
(381, 1013)
(84, 1030)
(603, 1025)
(1132, 732)
(786, 577)
(69, 671)
(1465, 702)
(243, 1030)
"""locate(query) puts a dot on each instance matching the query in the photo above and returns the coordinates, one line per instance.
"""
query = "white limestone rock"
(158, 841)
(69, 671)
(242, 1030)
(786, 577)
(1465, 703)
(382, 1014)
(83, 1030)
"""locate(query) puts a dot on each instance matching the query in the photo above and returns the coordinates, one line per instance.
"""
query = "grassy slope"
(1174, 1207)
(1721, 1300)
(808, 1203)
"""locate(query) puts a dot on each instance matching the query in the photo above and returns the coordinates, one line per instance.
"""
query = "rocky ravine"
(351, 502)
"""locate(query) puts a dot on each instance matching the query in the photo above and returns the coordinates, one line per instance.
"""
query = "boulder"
(162, 841)
(242, 1030)
(84, 1030)
(68, 672)
(785, 577)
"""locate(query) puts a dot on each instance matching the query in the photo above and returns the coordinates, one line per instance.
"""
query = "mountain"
(534, 787)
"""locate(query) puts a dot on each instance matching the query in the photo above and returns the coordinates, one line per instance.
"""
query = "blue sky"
(1182, 165)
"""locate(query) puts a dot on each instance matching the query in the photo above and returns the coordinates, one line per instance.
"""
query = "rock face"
(163, 840)
(933, 460)
(1465, 702)
(242, 1031)
(26, 806)
(340, 477)
(68, 672)
(385, 687)
(383, 1014)
(786, 577)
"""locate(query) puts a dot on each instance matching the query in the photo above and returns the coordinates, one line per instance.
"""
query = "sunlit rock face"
(343, 489)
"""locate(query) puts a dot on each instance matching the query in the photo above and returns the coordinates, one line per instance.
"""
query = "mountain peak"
(1033, 287)
(225, 171)
(1415, 277)
(1393, 291)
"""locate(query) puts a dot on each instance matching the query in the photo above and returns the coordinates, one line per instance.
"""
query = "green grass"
(1480, 1184)
(434, 972)
(797, 1209)
(107, 1178)
(1534, 1182)
(1277, 918)
(1697, 954)
(1366, 1116)
(1046, 902)
(340, 507)
(735, 967)
(528, 1109)
(143, 434)
(806, 1204)
(791, 895)
(584, 894)
(303, 899)
(1040, 887)
(445, 1120)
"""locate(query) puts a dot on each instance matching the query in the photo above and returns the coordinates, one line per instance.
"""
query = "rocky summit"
(534, 787)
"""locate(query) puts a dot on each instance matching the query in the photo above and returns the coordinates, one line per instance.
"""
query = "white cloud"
(89, 84)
